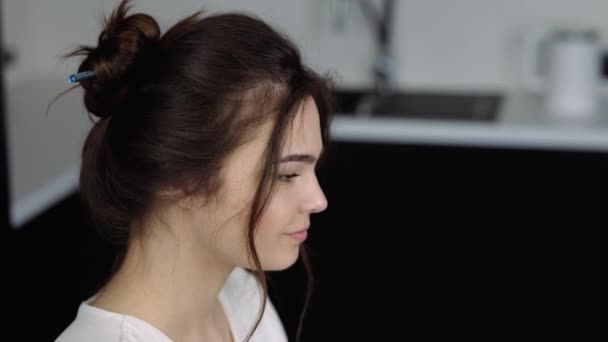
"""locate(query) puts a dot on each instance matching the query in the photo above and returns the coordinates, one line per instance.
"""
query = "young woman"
(201, 167)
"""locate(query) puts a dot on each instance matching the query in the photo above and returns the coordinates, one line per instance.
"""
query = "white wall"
(438, 44)
(43, 151)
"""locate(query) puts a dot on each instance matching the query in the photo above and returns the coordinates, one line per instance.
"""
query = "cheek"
(276, 250)
(276, 217)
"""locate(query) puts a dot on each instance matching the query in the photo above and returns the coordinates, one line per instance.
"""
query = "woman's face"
(284, 224)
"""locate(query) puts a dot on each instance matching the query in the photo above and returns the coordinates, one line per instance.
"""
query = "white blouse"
(240, 299)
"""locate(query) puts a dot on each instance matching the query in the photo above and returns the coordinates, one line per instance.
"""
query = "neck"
(171, 282)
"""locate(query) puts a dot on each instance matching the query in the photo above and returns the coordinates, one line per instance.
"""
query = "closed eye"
(288, 177)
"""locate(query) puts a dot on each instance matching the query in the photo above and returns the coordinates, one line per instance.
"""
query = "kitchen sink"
(419, 105)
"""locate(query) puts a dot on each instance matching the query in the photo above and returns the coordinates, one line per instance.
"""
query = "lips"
(299, 235)
(299, 230)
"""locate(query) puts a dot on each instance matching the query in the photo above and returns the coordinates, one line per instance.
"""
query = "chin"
(281, 261)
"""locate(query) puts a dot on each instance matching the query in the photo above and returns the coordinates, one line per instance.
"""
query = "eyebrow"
(304, 158)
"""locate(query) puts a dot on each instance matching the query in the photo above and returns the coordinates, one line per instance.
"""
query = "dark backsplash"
(418, 243)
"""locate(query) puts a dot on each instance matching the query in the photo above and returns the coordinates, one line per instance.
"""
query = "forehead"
(304, 134)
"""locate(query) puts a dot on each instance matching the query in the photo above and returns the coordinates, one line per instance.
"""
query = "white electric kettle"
(564, 65)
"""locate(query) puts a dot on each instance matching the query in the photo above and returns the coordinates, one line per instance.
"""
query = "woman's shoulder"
(241, 299)
(93, 324)
(240, 282)
(241, 295)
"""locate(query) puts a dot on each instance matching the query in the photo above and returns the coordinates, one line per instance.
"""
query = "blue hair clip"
(85, 75)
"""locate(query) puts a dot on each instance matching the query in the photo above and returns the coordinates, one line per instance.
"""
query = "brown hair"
(172, 107)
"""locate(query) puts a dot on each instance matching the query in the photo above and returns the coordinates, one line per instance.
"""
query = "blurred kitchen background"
(466, 179)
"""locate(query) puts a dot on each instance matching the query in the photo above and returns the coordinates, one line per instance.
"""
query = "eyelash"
(288, 177)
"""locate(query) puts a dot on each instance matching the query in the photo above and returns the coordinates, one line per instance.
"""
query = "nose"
(317, 202)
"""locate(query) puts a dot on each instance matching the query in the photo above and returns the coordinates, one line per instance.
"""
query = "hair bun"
(122, 42)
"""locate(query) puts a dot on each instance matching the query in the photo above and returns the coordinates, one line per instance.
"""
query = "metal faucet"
(380, 22)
